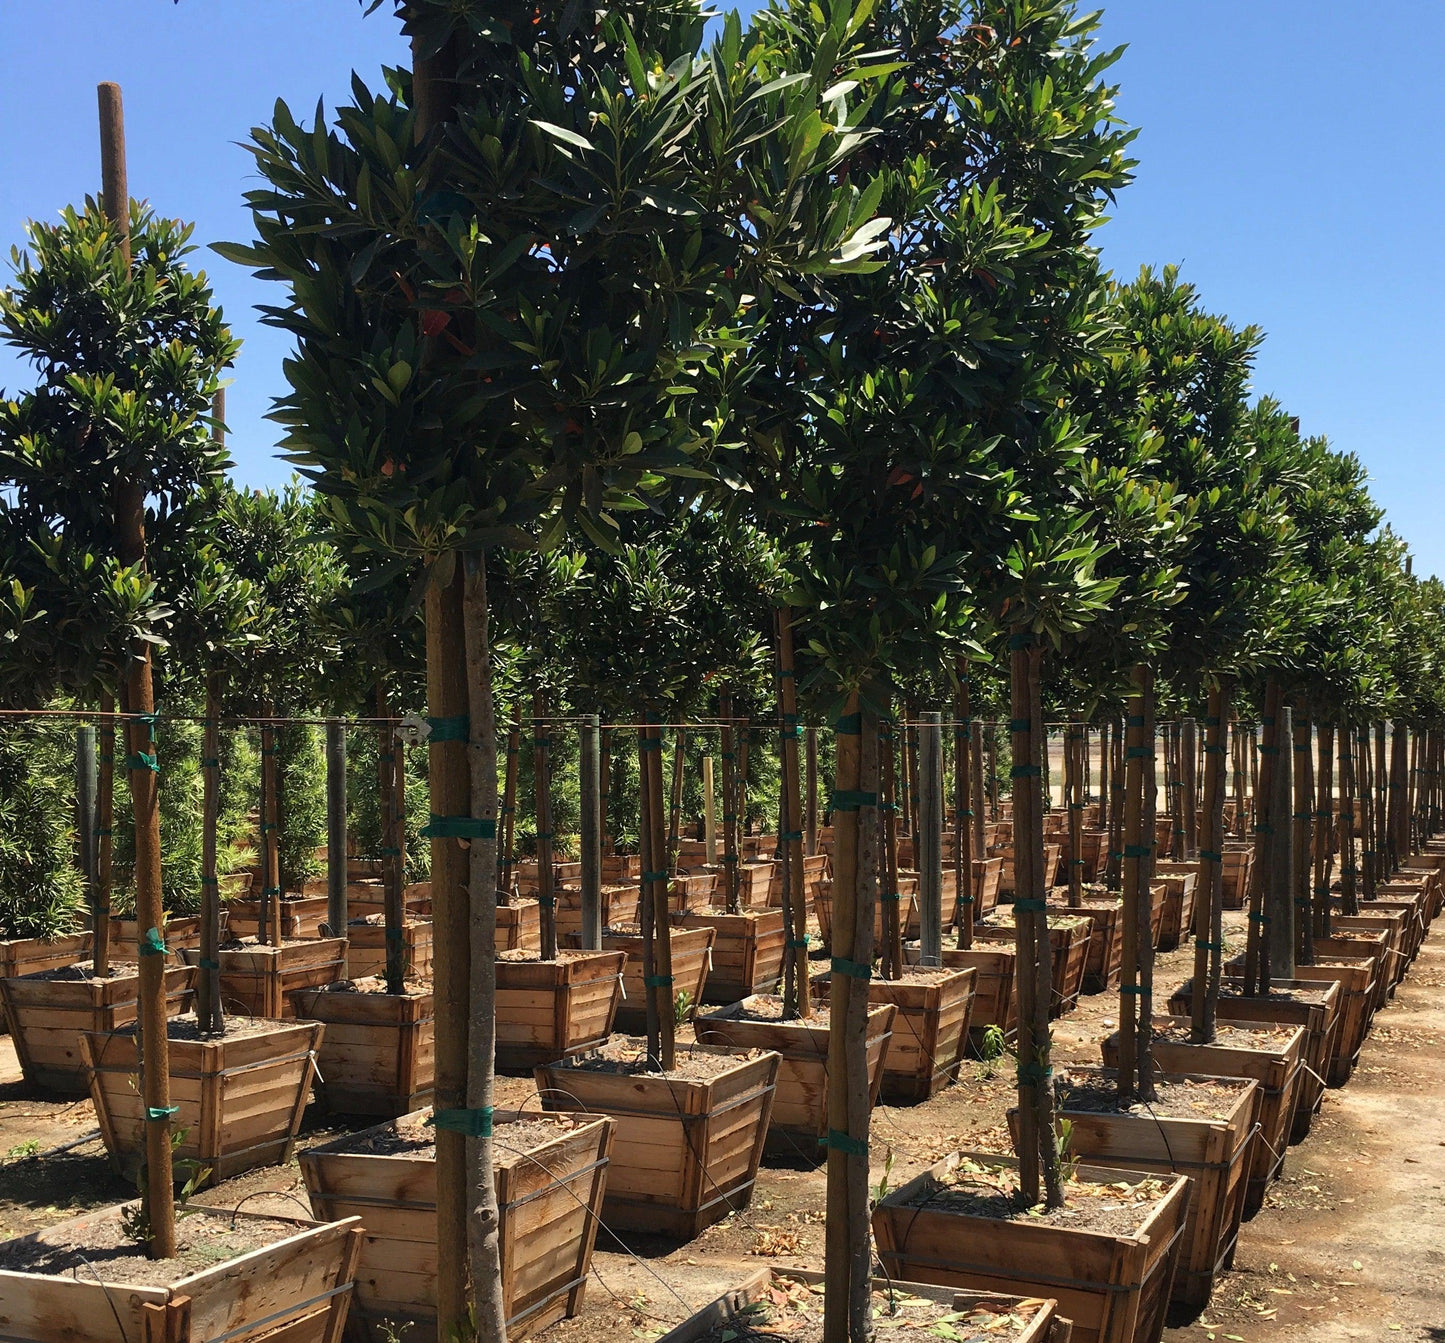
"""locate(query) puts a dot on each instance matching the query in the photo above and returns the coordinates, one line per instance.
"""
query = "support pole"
(929, 839)
(709, 812)
(85, 781)
(591, 828)
(336, 827)
(1278, 943)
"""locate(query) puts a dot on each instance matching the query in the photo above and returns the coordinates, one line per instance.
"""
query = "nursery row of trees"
(767, 375)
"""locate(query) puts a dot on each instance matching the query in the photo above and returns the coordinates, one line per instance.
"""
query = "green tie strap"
(657, 981)
(454, 727)
(152, 945)
(841, 965)
(1025, 772)
(1031, 906)
(798, 943)
(1212, 855)
(140, 760)
(158, 1114)
(839, 1141)
(850, 725)
(849, 799)
(207, 964)
(459, 827)
(472, 1123)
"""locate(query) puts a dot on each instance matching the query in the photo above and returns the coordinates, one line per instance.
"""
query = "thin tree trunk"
(1256, 954)
(209, 1018)
(1349, 868)
(270, 928)
(1366, 786)
(1324, 830)
(1302, 839)
(479, 901)
(790, 833)
(1118, 809)
(507, 848)
(104, 838)
(963, 764)
(1209, 900)
(1074, 802)
(810, 806)
(655, 893)
(730, 803)
(1189, 782)
(542, 798)
(1145, 1039)
(604, 777)
(891, 952)
(674, 810)
(1138, 929)
(389, 770)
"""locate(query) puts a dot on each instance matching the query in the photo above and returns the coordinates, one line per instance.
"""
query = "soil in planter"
(975, 1189)
(792, 1312)
(1178, 1098)
(1226, 1035)
(84, 974)
(414, 1137)
(375, 985)
(769, 1008)
(187, 1028)
(918, 974)
(255, 943)
(626, 1056)
(522, 956)
(101, 1249)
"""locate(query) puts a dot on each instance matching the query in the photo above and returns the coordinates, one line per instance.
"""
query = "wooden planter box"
(691, 894)
(800, 1104)
(1115, 1288)
(1273, 1064)
(720, 1317)
(1237, 865)
(618, 903)
(747, 952)
(1392, 925)
(686, 1153)
(1357, 988)
(1106, 941)
(618, 867)
(987, 880)
(1005, 853)
(1291, 1002)
(1412, 928)
(691, 956)
(1213, 1153)
(176, 934)
(258, 981)
(1176, 908)
(297, 916)
(519, 926)
(948, 904)
(378, 1054)
(297, 1290)
(48, 1016)
(755, 879)
(1370, 946)
(241, 1100)
(993, 986)
(548, 1010)
(930, 1031)
(34, 955)
(1070, 937)
(549, 1198)
(364, 899)
(366, 950)
(823, 910)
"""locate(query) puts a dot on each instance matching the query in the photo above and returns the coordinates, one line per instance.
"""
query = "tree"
(109, 453)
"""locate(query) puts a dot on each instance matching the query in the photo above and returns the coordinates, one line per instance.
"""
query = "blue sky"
(1291, 163)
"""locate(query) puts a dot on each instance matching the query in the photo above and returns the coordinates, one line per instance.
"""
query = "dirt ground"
(1350, 1243)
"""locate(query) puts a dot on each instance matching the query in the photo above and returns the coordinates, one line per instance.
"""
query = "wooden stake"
(964, 755)
(336, 919)
(730, 803)
(1209, 897)
(1277, 946)
(810, 803)
(269, 931)
(507, 844)
(542, 800)
(928, 842)
(591, 834)
(85, 825)
(105, 843)
(790, 825)
(209, 1013)
(1301, 840)
(1074, 801)
(391, 771)
(709, 812)
(1264, 819)
(674, 810)
(891, 952)
(656, 886)
(1324, 830)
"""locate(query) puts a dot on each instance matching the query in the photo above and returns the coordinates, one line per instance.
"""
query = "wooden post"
(655, 893)
(1074, 802)
(709, 812)
(1189, 786)
(591, 836)
(1256, 953)
(1209, 895)
(1301, 840)
(1118, 805)
(928, 842)
(604, 792)
(268, 930)
(336, 827)
(790, 826)
(1137, 920)
(85, 810)
(542, 798)
(810, 800)
(674, 810)
(730, 803)
(1324, 830)
(964, 757)
(1382, 803)
(1145, 1039)
(104, 840)
(507, 839)
(889, 804)
(143, 771)
(391, 771)
(209, 1014)
(1277, 946)
(1349, 863)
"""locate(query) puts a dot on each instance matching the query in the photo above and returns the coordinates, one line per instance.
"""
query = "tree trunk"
(104, 838)
(963, 764)
(389, 770)
(209, 1016)
(1209, 898)
(590, 839)
(1118, 812)
(891, 952)
(270, 930)
(604, 776)
(1256, 954)
(1189, 782)
(730, 802)
(1074, 802)
(790, 833)
(542, 799)
(810, 806)
(479, 902)
(1277, 942)
(1303, 838)
(1324, 830)
(1138, 925)
(674, 809)
(655, 900)
(507, 847)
